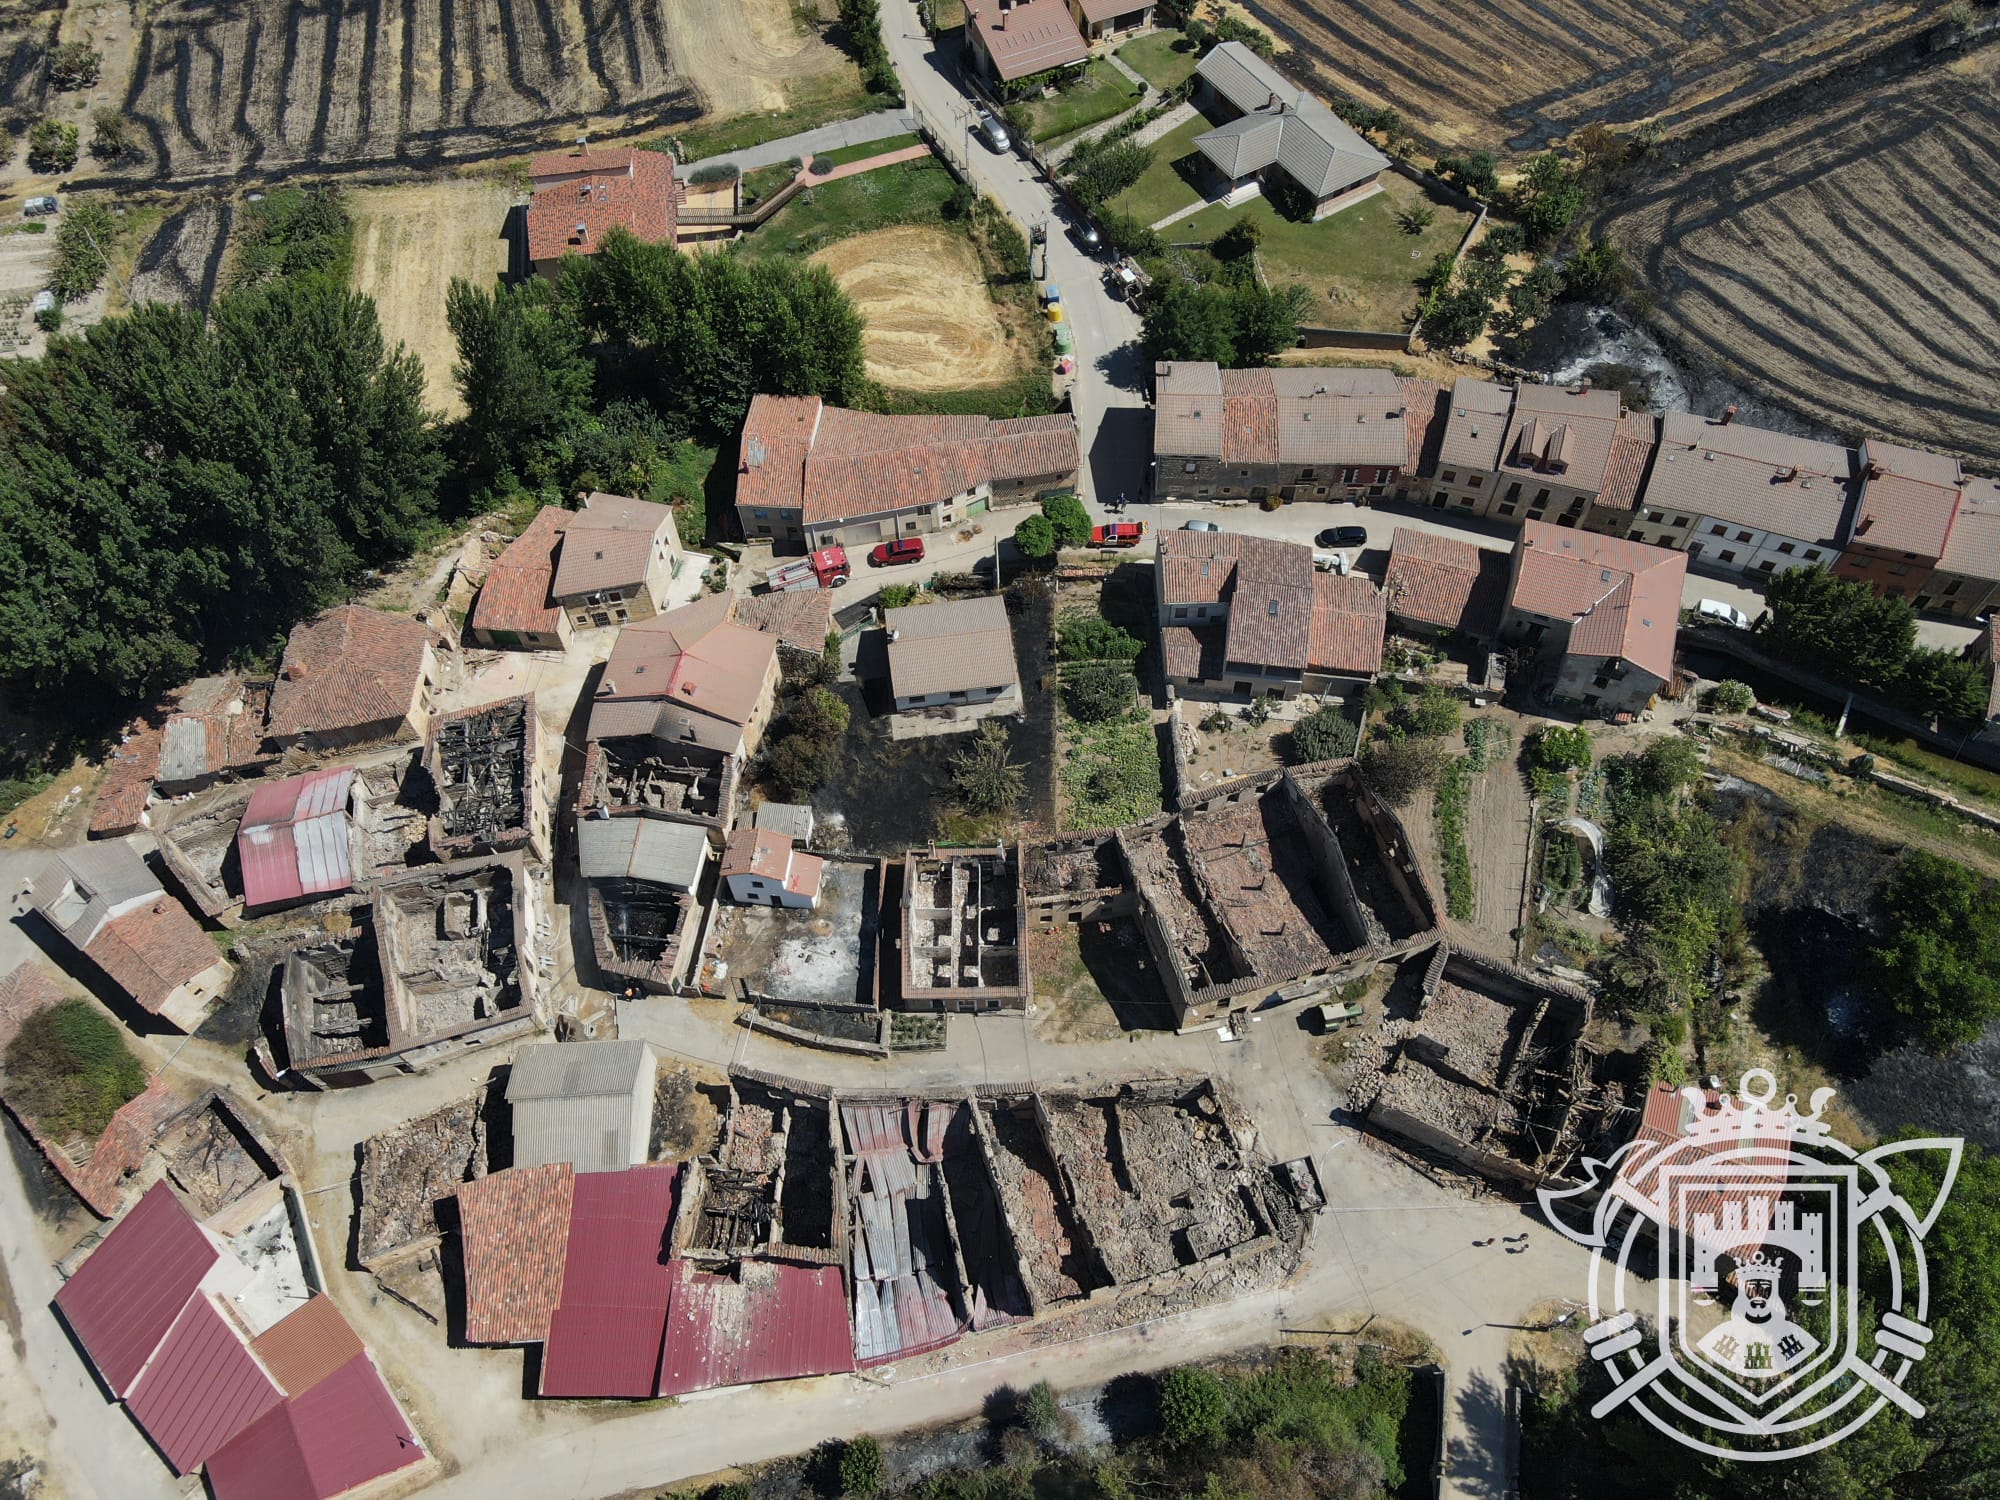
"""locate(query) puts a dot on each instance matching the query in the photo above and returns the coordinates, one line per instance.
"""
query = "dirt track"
(408, 244)
(1523, 73)
(932, 325)
(1848, 261)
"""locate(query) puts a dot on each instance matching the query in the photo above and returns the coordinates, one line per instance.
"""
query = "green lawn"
(866, 149)
(1164, 59)
(1099, 94)
(760, 183)
(910, 193)
(1359, 266)
(1167, 185)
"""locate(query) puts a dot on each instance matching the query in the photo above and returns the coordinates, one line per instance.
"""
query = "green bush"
(1448, 811)
(51, 146)
(74, 65)
(1094, 638)
(899, 595)
(1323, 734)
(1434, 712)
(1555, 747)
(70, 1070)
(985, 777)
(861, 1467)
(83, 240)
(1399, 769)
(1194, 1408)
(714, 172)
(1035, 537)
(1099, 691)
(1071, 521)
(1041, 1410)
(1730, 697)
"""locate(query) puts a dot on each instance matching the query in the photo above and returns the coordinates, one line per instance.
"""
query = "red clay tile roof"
(122, 1150)
(306, 1345)
(769, 1321)
(757, 851)
(124, 1298)
(514, 1233)
(27, 988)
(1992, 648)
(828, 463)
(1908, 499)
(351, 667)
(200, 1389)
(153, 950)
(1249, 423)
(1194, 652)
(342, 1433)
(693, 658)
(1033, 36)
(609, 545)
(128, 783)
(799, 618)
(1423, 428)
(1973, 548)
(1442, 581)
(1625, 468)
(600, 190)
(515, 597)
(1623, 598)
(1349, 617)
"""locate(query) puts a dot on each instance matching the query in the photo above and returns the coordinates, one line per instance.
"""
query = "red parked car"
(909, 550)
(1118, 534)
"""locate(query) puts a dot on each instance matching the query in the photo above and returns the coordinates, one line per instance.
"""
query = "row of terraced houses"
(1736, 499)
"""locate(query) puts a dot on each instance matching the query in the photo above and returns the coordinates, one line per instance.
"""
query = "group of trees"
(1061, 522)
(1409, 749)
(861, 20)
(1935, 968)
(1850, 632)
(1236, 324)
(634, 351)
(177, 488)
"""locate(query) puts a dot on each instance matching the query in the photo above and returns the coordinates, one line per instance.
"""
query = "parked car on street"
(1722, 613)
(1199, 526)
(893, 554)
(994, 133)
(34, 208)
(1342, 536)
(1117, 534)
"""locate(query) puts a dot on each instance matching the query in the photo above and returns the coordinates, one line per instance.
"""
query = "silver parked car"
(994, 132)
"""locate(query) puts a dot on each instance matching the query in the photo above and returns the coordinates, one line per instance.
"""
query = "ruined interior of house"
(450, 949)
(1394, 903)
(199, 850)
(480, 765)
(1193, 936)
(390, 825)
(962, 927)
(1115, 1189)
(1075, 879)
(407, 1170)
(332, 995)
(1494, 1063)
(930, 1254)
(213, 1156)
(639, 773)
(1269, 882)
(642, 920)
(770, 1186)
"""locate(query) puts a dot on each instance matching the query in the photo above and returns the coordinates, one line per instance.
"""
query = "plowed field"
(1848, 261)
(276, 85)
(1522, 73)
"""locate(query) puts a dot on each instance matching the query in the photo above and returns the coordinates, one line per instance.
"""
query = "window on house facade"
(1514, 490)
(1376, 489)
(1812, 554)
(1742, 536)
(1654, 516)
(1475, 481)
(1449, 476)
(958, 695)
(1541, 497)
(1767, 566)
(1507, 510)
(1180, 611)
(1951, 588)
(1727, 556)
(1680, 520)
(1897, 570)
(1307, 472)
(1187, 468)
(762, 513)
(1785, 549)
(1718, 531)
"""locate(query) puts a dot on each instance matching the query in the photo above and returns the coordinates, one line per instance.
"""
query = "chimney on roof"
(1873, 471)
(582, 142)
(1729, 414)
(582, 230)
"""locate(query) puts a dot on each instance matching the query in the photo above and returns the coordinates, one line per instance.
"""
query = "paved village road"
(1110, 391)
(879, 126)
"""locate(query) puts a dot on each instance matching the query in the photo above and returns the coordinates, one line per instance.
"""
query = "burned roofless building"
(1493, 1074)
(771, 1188)
(454, 967)
(482, 769)
(1273, 878)
(961, 934)
(637, 776)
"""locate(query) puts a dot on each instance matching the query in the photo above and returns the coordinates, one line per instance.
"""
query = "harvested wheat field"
(1846, 261)
(408, 244)
(271, 86)
(1522, 74)
(932, 324)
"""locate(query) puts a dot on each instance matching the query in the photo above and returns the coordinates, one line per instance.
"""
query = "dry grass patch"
(932, 324)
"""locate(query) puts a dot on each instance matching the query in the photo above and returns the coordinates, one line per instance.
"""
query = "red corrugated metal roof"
(201, 1388)
(294, 840)
(605, 1337)
(344, 1432)
(124, 1299)
(777, 1322)
(603, 1351)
